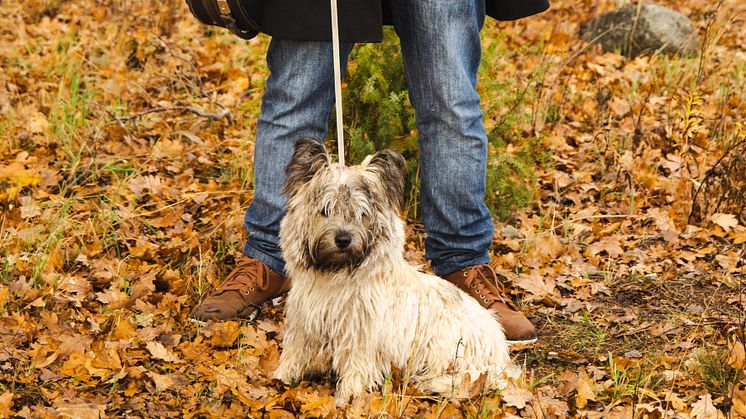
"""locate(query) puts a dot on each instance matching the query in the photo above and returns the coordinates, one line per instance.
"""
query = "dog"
(355, 306)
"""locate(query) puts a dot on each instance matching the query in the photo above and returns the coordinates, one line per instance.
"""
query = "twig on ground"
(181, 201)
(593, 217)
(215, 116)
(673, 328)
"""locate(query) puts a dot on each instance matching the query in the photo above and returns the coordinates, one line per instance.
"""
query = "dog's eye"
(325, 211)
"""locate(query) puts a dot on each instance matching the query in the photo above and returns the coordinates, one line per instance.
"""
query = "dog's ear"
(308, 158)
(391, 168)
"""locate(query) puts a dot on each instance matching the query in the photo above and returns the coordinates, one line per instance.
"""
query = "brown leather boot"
(250, 284)
(481, 282)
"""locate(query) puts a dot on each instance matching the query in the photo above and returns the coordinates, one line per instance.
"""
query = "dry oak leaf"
(729, 261)
(83, 367)
(237, 383)
(269, 326)
(739, 401)
(737, 355)
(106, 360)
(37, 123)
(77, 289)
(255, 338)
(29, 208)
(75, 367)
(113, 298)
(441, 410)
(549, 247)
(662, 219)
(269, 360)
(315, 404)
(73, 343)
(536, 284)
(546, 405)
(81, 410)
(608, 244)
(140, 184)
(6, 403)
(222, 334)
(162, 381)
(738, 235)
(675, 401)
(705, 409)
(166, 149)
(725, 221)
(281, 414)
(15, 177)
(362, 405)
(123, 330)
(515, 396)
(586, 390)
(619, 106)
(3, 293)
(159, 351)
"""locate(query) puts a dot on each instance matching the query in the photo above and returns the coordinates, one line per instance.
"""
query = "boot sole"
(523, 342)
(249, 313)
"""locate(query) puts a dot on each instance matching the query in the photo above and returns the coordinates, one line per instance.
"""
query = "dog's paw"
(341, 399)
(284, 375)
(348, 387)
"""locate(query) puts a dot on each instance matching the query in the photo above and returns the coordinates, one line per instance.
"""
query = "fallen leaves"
(515, 396)
(6, 403)
(315, 404)
(725, 221)
(739, 401)
(14, 178)
(586, 390)
(80, 409)
(237, 384)
(607, 246)
(121, 205)
(737, 355)
(158, 351)
(704, 409)
(224, 334)
(539, 287)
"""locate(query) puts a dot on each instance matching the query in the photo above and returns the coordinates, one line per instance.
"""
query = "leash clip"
(224, 7)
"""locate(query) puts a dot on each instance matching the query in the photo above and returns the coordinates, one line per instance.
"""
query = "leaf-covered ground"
(125, 167)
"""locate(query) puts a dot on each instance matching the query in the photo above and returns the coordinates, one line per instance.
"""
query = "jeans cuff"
(277, 265)
(443, 268)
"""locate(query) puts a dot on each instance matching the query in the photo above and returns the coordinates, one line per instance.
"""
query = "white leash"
(337, 83)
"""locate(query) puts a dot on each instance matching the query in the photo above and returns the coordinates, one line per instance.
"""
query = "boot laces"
(248, 276)
(483, 280)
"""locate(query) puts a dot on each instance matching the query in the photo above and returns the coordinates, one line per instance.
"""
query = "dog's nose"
(342, 240)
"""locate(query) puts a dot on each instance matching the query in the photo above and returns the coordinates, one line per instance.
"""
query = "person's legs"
(442, 50)
(297, 102)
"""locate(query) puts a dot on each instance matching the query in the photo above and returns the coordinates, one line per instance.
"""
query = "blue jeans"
(441, 51)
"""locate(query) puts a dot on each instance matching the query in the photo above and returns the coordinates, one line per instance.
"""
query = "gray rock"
(643, 29)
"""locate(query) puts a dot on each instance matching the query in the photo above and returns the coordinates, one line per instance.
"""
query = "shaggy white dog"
(355, 305)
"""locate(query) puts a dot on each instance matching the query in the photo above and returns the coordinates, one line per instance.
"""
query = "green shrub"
(511, 176)
(377, 111)
(515, 152)
(378, 115)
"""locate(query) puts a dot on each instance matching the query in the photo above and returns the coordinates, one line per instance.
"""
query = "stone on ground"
(644, 28)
